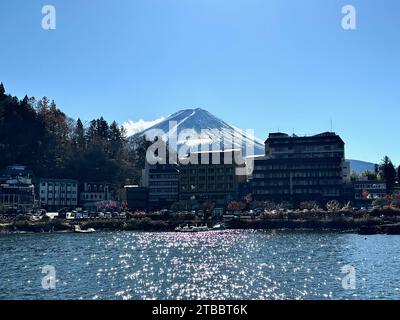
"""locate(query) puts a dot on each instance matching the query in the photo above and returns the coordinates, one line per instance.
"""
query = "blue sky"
(265, 65)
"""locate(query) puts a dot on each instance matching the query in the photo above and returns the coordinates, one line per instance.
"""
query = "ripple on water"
(230, 264)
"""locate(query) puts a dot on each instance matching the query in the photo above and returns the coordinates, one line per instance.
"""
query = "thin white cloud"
(133, 127)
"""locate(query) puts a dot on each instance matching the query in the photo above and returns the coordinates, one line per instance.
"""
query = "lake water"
(228, 264)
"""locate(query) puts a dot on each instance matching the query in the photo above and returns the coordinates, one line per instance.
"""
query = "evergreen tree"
(38, 134)
(2, 91)
(398, 174)
(25, 102)
(370, 175)
(102, 129)
(389, 173)
(116, 140)
(42, 105)
(79, 136)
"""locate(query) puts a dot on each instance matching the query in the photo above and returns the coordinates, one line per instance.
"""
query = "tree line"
(36, 133)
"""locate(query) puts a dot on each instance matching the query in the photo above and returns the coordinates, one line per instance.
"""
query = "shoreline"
(377, 223)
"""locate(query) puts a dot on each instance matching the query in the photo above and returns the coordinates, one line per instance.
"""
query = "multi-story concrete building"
(366, 191)
(16, 188)
(135, 198)
(95, 194)
(300, 168)
(213, 177)
(55, 194)
(162, 181)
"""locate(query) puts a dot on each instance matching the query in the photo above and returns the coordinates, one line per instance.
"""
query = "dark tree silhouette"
(389, 173)
(38, 134)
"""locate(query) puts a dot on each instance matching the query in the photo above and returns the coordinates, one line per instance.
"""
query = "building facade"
(56, 194)
(366, 191)
(95, 194)
(16, 188)
(162, 181)
(300, 168)
(135, 197)
(212, 178)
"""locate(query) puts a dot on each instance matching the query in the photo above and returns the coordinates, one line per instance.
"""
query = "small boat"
(219, 226)
(188, 228)
(203, 228)
(78, 229)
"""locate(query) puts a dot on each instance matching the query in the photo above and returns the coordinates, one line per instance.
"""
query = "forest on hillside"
(38, 134)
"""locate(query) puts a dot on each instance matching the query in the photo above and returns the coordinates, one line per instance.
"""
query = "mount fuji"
(211, 129)
(196, 127)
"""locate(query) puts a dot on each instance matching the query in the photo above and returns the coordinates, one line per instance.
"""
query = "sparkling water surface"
(230, 264)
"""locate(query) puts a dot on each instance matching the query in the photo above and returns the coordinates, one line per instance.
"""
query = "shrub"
(236, 206)
(309, 205)
(285, 205)
(381, 202)
(21, 217)
(333, 205)
(396, 200)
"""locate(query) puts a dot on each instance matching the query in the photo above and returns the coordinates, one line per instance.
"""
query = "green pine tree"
(389, 173)
(2, 90)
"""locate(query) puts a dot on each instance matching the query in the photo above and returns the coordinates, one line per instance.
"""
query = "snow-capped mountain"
(210, 129)
(197, 127)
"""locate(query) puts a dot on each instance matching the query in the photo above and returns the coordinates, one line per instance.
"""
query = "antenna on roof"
(331, 126)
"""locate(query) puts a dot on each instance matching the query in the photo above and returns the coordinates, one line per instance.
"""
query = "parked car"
(70, 215)
(237, 213)
(79, 215)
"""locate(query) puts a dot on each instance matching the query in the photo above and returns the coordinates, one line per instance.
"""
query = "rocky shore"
(380, 229)
(377, 222)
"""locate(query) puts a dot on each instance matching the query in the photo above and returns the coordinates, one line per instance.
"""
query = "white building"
(58, 193)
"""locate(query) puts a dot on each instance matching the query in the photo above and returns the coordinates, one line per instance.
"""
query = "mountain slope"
(203, 128)
(201, 120)
(358, 166)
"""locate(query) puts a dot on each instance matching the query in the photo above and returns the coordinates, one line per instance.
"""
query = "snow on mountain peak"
(200, 127)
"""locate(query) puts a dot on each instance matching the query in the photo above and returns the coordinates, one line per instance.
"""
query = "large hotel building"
(298, 168)
(214, 178)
